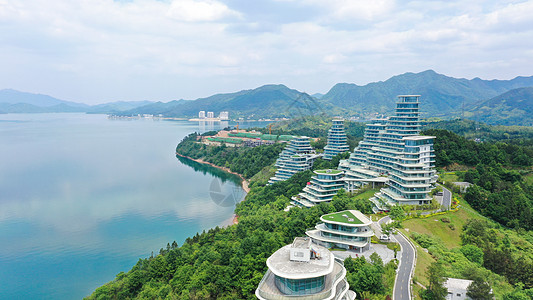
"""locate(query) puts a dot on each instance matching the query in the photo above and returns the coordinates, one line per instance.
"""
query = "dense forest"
(245, 161)
(499, 172)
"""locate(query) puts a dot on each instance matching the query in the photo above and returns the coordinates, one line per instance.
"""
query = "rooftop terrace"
(352, 217)
(331, 172)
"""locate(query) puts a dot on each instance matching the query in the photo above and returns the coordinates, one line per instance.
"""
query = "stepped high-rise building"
(303, 270)
(393, 148)
(337, 141)
(323, 186)
(297, 156)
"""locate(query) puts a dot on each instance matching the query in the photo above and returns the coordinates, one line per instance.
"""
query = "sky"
(96, 51)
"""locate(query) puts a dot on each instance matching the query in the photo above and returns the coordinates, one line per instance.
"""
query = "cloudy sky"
(97, 51)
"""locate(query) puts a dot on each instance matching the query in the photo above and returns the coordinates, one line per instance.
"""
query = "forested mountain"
(441, 95)
(514, 107)
(264, 101)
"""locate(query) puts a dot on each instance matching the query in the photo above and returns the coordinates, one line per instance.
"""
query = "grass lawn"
(528, 178)
(448, 177)
(367, 194)
(340, 217)
(433, 226)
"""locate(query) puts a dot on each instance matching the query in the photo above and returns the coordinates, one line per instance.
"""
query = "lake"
(83, 197)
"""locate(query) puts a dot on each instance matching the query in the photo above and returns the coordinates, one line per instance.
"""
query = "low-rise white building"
(457, 288)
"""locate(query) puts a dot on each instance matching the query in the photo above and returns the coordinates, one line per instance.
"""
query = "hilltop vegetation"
(510, 108)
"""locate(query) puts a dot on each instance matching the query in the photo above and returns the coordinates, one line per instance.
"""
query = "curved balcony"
(315, 234)
(323, 227)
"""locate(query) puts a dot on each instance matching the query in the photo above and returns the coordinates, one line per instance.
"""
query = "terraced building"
(337, 141)
(323, 186)
(297, 156)
(394, 153)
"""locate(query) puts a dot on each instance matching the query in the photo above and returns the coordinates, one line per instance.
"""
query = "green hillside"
(514, 107)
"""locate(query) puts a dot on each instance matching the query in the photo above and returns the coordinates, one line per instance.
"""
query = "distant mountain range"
(506, 102)
(12, 101)
(441, 96)
(263, 102)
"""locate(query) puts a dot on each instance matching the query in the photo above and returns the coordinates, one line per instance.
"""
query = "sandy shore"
(244, 182)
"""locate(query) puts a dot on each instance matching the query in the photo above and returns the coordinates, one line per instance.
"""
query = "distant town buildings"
(201, 114)
(210, 115)
(348, 229)
(337, 141)
(296, 157)
(224, 115)
(303, 270)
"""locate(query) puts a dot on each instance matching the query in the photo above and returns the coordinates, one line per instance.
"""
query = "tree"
(473, 253)
(479, 289)
(436, 289)
(397, 213)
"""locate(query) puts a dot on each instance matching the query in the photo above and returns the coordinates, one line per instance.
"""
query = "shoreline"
(244, 182)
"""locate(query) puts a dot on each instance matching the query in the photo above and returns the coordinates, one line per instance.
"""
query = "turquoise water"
(82, 198)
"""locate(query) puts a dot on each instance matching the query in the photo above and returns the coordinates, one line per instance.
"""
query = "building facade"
(337, 142)
(302, 270)
(224, 115)
(323, 186)
(349, 229)
(297, 156)
(210, 115)
(393, 153)
(201, 114)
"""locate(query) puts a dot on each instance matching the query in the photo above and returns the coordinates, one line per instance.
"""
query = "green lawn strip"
(340, 217)
(367, 194)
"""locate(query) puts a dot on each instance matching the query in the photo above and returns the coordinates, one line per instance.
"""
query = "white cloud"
(101, 49)
(191, 10)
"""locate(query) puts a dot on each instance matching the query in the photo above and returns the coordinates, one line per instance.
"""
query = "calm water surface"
(83, 198)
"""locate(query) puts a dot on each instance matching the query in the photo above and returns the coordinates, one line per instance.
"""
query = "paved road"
(402, 285)
(446, 197)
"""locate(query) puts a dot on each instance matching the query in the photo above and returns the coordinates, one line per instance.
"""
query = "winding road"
(402, 285)
(446, 197)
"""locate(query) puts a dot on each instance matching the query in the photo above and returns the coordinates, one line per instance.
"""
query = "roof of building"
(347, 217)
(329, 171)
(280, 263)
(418, 137)
(457, 284)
